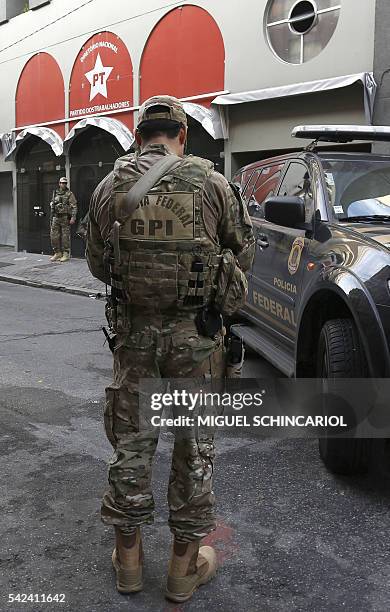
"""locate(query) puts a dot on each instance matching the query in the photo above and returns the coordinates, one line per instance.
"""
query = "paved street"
(290, 536)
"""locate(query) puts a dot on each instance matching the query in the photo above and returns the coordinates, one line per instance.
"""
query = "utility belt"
(119, 317)
(208, 319)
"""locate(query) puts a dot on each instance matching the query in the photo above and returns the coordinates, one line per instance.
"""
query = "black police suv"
(319, 289)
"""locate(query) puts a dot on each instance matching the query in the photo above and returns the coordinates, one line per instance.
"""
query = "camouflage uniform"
(158, 340)
(63, 209)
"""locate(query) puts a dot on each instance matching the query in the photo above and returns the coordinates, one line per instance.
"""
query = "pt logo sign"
(98, 77)
(102, 79)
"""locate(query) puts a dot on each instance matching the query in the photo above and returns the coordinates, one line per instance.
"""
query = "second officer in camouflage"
(162, 265)
(63, 208)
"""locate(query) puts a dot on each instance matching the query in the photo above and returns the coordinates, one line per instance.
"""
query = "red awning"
(184, 56)
(102, 79)
(40, 95)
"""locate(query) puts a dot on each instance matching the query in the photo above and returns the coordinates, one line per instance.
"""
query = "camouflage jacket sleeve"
(98, 229)
(234, 229)
(73, 206)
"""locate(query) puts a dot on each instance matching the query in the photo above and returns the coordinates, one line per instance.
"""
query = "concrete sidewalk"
(38, 271)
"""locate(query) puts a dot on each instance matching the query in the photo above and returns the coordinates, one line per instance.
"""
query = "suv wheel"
(340, 355)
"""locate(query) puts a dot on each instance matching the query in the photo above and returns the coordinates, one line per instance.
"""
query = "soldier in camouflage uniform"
(63, 209)
(169, 257)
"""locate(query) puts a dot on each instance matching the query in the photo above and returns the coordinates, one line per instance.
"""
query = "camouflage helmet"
(174, 110)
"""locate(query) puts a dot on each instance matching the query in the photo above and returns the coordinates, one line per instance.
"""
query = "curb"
(91, 293)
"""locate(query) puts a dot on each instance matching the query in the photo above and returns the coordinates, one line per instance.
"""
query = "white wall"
(250, 64)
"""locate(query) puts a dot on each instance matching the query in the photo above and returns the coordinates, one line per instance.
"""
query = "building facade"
(75, 73)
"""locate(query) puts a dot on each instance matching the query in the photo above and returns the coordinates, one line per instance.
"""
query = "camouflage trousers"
(159, 347)
(60, 234)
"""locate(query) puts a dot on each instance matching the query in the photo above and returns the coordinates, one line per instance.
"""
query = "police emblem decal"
(295, 255)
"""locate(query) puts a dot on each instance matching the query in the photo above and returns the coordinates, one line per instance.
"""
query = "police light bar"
(342, 133)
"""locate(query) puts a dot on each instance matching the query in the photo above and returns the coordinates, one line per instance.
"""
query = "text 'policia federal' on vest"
(152, 217)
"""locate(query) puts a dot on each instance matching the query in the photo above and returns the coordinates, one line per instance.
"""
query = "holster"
(208, 322)
(111, 340)
(111, 313)
(235, 357)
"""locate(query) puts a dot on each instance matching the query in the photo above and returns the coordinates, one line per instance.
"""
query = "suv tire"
(340, 355)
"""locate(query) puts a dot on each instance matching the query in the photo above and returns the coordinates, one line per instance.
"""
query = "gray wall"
(7, 226)
(266, 126)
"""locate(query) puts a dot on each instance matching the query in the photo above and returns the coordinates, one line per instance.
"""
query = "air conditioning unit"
(11, 8)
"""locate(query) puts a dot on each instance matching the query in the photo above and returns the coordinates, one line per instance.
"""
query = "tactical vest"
(168, 261)
(61, 203)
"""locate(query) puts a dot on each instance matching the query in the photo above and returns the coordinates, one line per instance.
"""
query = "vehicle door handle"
(262, 241)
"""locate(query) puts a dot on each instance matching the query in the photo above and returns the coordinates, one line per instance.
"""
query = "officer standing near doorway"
(63, 209)
(162, 266)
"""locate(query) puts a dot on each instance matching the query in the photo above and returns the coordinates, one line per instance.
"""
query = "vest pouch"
(151, 281)
(196, 279)
(232, 285)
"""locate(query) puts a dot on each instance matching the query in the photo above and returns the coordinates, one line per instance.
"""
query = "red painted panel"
(184, 55)
(102, 79)
(40, 95)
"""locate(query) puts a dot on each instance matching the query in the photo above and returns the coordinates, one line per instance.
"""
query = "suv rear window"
(251, 184)
(241, 178)
(264, 184)
(297, 182)
(268, 182)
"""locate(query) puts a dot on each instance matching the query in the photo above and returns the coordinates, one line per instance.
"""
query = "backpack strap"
(138, 192)
(145, 184)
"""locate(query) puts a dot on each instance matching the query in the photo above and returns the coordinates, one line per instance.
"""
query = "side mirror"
(288, 211)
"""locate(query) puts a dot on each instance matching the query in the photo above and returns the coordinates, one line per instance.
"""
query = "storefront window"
(298, 30)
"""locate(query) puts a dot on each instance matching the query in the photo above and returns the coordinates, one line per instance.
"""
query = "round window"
(298, 30)
(302, 17)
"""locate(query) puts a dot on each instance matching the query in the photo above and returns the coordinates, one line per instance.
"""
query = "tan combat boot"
(189, 567)
(65, 257)
(56, 256)
(127, 561)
